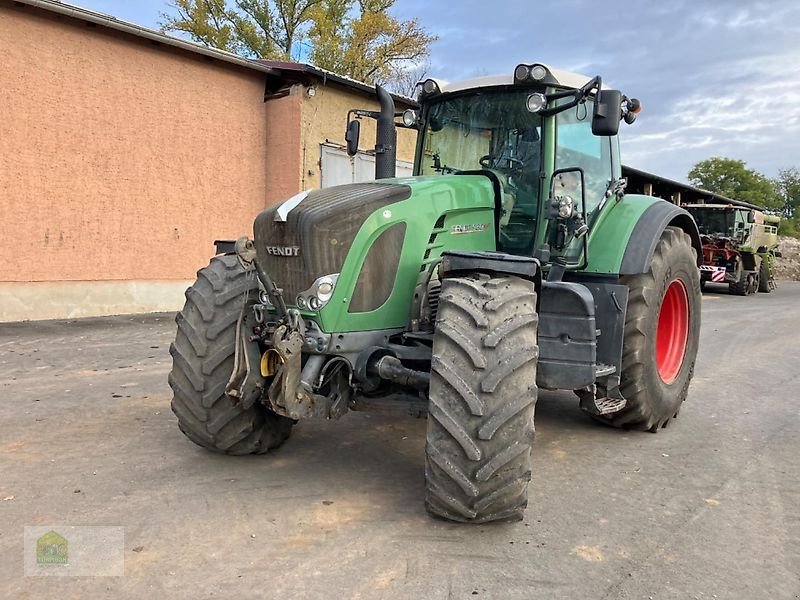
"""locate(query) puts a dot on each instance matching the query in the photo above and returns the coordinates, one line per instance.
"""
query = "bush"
(790, 227)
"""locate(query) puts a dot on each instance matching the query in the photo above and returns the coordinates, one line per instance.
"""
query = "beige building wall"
(324, 119)
(120, 161)
(123, 159)
(284, 146)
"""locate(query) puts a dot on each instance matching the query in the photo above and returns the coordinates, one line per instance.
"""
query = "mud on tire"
(651, 401)
(202, 363)
(482, 398)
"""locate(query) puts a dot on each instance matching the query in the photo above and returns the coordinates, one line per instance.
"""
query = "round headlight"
(521, 72)
(429, 87)
(536, 102)
(409, 118)
(301, 301)
(325, 288)
(314, 303)
(538, 72)
(565, 207)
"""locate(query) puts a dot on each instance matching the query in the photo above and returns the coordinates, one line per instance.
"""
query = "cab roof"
(565, 79)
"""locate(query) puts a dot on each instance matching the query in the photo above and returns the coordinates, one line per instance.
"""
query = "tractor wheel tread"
(463, 342)
(470, 309)
(480, 430)
(202, 355)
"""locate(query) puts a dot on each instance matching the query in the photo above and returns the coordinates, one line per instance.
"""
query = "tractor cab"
(544, 136)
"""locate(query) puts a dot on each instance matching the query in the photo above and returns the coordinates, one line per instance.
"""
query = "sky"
(715, 77)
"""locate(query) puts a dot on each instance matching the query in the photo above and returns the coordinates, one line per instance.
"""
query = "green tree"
(356, 38)
(362, 40)
(789, 186)
(733, 179)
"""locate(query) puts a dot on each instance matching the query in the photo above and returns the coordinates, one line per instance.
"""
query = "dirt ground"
(788, 265)
(707, 508)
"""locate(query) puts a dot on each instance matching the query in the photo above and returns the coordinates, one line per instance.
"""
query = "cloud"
(715, 78)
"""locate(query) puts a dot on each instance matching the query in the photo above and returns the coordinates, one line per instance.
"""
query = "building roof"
(289, 69)
(268, 67)
(98, 18)
(691, 193)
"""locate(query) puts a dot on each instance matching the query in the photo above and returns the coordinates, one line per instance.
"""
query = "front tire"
(662, 331)
(482, 399)
(744, 286)
(202, 363)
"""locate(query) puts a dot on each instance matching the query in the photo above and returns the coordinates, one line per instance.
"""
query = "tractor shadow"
(382, 457)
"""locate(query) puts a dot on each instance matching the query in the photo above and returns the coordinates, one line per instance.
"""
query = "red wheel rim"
(673, 331)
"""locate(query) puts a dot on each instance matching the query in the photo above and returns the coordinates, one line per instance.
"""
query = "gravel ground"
(706, 508)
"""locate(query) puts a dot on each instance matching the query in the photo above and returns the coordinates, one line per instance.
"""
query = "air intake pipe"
(385, 137)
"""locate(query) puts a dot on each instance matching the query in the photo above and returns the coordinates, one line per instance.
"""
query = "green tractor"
(513, 260)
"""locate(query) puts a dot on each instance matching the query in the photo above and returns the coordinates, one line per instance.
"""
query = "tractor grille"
(318, 233)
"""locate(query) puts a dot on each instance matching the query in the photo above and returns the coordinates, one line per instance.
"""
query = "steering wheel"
(490, 162)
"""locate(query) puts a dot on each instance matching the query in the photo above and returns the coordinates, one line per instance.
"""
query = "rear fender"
(647, 232)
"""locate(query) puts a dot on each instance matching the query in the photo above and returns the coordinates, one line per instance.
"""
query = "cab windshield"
(492, 130)
(712, 221)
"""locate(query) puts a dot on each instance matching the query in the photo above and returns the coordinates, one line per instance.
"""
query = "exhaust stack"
(385, 137)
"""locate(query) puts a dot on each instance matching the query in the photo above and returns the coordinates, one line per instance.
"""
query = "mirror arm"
(578, 96)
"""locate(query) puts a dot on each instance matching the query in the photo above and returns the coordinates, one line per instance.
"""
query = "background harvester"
(739, 247)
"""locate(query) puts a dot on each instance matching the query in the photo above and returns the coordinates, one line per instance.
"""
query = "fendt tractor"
(513, 260)
(739, 247)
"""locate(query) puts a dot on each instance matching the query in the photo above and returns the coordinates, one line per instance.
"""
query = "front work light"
(538, 72)
(536, 102)
(429, 88)
(409, 117)
(532, 74)
(521, 72)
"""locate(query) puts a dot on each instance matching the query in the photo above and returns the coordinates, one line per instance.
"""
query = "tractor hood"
(312, 238)
(373, 240)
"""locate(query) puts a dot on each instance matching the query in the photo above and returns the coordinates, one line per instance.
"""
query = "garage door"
(338, 168)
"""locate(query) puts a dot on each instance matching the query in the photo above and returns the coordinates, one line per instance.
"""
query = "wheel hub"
(672, 334)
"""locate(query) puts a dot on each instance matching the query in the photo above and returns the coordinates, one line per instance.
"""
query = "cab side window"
(576, 146)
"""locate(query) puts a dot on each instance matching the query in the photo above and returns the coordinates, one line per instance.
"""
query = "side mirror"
(751, 216)
(567, 208)
(352, 135)
(607, 112)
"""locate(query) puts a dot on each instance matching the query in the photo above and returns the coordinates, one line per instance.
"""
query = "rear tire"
(202, 363)
(764, 283)
(482, 399)
(655, 380)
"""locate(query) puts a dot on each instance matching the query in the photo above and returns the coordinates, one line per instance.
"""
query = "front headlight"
(319, 294)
